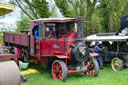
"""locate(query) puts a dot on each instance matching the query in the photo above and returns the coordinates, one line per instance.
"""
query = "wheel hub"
(116, 64)
(90, 68)
(57, 71)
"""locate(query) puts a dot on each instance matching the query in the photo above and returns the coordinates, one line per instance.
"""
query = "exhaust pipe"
(80, 20)
(79, 52)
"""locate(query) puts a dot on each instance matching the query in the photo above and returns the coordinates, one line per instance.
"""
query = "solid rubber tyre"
(59, 70)
(96, 66)
(26, 56)
(93, 67)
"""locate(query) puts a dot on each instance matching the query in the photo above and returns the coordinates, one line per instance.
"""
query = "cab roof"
(61, 20)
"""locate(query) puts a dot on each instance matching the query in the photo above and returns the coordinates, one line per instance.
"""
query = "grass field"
(39, 75)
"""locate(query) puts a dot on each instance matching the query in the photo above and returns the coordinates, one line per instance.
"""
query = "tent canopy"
(6, 8)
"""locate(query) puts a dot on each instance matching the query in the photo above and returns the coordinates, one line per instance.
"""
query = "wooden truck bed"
(16, 39)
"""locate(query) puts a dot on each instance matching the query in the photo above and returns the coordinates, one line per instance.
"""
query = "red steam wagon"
(57, 43)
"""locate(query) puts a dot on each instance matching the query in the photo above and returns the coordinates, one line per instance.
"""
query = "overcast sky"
(12, 17)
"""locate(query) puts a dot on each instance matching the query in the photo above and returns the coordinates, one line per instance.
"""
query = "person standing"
(99, 58)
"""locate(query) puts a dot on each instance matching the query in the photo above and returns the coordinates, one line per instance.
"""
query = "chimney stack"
(80, 20)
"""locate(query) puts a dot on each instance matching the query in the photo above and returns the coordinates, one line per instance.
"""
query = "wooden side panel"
(24, 40)
(10, 38)
(17, 39)
(6, 37)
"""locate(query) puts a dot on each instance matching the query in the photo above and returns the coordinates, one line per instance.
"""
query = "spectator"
(99, 58)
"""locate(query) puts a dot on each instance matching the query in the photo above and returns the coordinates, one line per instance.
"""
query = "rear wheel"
(12, 52)
(117, 64)
(59, 70)
(26, 56)
(93, 67)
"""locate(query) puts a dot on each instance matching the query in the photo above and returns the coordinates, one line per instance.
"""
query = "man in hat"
(99, 58)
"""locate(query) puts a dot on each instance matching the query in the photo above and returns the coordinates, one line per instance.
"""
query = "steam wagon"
(115, 48)
(57, 43)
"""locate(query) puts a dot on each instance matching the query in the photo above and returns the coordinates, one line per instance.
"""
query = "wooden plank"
(17, 39)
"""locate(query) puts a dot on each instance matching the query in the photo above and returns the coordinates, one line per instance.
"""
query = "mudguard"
(18, 52)
(93, 54)
(62, 56)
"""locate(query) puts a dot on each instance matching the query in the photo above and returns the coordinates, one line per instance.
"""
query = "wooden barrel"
(9, 73)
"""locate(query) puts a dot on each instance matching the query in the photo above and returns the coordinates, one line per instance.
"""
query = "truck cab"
(54, 36)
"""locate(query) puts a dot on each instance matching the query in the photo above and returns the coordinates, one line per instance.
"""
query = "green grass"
(39, 75)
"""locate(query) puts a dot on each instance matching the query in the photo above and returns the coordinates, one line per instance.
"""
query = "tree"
(107, 10)
(5, 27)
(73, 8)
(23, 23)
(78, 7)
(34, 9)
(104, 17)
(110, 13)
(31, 9)
(54, 12)
(64, 7)
(90, 9)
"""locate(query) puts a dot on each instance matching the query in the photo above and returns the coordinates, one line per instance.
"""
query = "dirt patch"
(2, 43)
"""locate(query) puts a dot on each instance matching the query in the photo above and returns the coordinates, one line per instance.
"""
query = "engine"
(79, 53)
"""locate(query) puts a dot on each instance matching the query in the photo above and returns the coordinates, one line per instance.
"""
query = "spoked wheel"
(92, 67)
(59, 70)
(117, 64)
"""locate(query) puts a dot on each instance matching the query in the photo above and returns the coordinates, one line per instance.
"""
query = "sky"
(9, 20)
(14, 16)
(11, 17)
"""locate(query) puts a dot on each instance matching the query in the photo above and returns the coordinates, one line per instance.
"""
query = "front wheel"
(59, 70)
(92, 67)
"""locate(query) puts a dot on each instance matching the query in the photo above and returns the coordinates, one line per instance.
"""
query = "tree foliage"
(71, 8)
(103, 15)
(64, 8)
(54, 12)
(23, 23)
(84, 8)
(31, 9)
(110, 13)
(34, 9)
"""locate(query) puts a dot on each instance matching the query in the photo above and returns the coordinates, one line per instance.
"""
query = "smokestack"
(80, 20)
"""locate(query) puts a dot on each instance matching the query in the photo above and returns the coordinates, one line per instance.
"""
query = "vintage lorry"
(57, 43)
(115, 48)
